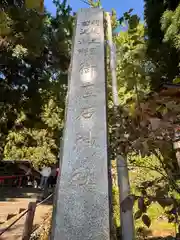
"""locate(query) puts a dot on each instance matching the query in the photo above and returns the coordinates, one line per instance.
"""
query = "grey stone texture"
(82, 205)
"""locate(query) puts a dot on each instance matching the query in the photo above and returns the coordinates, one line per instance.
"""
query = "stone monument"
(82, 202)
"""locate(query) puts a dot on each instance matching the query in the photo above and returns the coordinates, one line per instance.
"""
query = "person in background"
(57, 172)
(45, 173)
(28, 175)
(51, 180)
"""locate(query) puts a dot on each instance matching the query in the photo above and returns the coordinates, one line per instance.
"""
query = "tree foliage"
(35, 55)
(162, 53)
(143, 127)
(170, 24)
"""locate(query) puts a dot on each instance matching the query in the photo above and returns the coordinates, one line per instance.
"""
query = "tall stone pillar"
(82, 203)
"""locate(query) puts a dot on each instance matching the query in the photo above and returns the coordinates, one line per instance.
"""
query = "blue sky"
(120, 6)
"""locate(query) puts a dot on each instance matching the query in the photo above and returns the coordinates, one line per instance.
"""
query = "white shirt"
(46, 172)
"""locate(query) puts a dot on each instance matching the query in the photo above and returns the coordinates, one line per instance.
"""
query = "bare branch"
(85, 2)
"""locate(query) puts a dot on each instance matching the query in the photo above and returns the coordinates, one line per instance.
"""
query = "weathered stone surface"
(82, 207)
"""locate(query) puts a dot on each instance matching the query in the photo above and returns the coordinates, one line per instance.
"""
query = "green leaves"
(35, 54)
(162, 18)
(94, 3)
(131, 60)
(31, 144)
(143, 126)
(141, 205)
(146, 220)
(170, 25)
(138, 215)
(142, 208)
(176, 80)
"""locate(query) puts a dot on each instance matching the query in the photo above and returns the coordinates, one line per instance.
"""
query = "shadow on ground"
(144, 234)
(161, 238)
(14, 193)
(12, 233)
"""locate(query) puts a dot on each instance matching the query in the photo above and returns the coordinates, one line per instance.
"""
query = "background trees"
(35, 54)
(147, 118)
(161, 50)
(34, 59)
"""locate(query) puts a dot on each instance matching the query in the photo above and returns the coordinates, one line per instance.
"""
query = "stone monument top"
(82, 200)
